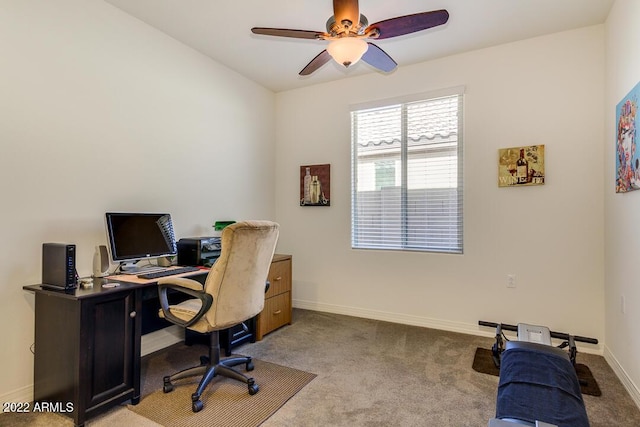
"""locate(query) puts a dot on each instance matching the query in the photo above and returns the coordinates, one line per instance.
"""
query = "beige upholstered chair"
(233, 293)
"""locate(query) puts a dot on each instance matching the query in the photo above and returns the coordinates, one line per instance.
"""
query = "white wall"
(547, 90)
(622, 226)
(100, 112)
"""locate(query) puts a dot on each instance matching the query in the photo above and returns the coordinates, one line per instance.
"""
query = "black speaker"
(59, 265)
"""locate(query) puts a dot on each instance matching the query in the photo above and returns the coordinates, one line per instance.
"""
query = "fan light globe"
(347, 50)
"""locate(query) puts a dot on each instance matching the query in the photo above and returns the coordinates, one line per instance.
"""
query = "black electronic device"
(136, 236)
(198, 251)
(59, 265)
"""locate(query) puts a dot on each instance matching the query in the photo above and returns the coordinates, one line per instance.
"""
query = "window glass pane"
(407, 176)
(385, 174)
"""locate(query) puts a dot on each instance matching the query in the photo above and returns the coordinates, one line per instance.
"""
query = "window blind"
(407, 191)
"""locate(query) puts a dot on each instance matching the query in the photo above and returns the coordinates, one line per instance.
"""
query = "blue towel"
(539, 385)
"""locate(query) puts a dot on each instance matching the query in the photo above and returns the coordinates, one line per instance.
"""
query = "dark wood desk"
(88, 343)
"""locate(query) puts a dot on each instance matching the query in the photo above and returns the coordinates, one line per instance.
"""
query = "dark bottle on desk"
(522, 168)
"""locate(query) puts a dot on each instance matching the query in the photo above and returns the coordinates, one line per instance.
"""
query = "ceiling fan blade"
(283, 32)
(346, 10)
(408, 24)
(379, 59)
(317, 62)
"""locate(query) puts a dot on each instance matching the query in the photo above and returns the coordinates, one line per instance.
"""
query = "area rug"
(483, 363)
(226, 402)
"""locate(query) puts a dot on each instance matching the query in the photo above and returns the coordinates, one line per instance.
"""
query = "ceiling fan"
(348, 32)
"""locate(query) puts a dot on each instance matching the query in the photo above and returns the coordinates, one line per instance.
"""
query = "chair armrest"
(184, 282)
(185, 286)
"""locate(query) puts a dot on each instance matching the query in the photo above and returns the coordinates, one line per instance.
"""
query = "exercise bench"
(538, 383)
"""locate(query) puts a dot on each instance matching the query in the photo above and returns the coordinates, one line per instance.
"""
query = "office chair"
(232, 293)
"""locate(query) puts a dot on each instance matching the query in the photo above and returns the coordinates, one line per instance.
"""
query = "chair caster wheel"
(167, 386)
(253, 387)
(197, 406)
(249, 366)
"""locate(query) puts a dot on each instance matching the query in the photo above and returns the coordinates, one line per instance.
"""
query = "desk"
(88, 341)
(87, 345)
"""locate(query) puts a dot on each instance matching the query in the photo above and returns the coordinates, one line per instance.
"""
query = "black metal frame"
(568, 340)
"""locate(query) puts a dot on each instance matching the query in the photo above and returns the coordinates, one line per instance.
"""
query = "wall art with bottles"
(521, 166)
(315, 185)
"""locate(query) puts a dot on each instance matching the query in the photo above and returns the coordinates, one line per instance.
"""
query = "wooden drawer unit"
(277, 303)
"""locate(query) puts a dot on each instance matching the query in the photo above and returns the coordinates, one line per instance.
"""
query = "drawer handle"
(132, 314)
(277, 312)
(277, 278)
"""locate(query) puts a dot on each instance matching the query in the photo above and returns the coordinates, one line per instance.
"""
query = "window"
(407, 174)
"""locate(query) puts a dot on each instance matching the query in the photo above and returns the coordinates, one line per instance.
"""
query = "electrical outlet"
(623, 308)
(511, 280)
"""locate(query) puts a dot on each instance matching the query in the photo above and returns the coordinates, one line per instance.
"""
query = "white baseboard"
(404, 319)
(24, 394)
(426, 322)
(628, 384)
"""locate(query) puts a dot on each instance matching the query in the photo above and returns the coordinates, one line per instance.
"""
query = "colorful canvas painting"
(627, 161)
(315, 185)
(521, 166)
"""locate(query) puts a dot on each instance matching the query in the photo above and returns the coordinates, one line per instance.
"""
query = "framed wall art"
(521, 166)
(315, 185)
(627, 159)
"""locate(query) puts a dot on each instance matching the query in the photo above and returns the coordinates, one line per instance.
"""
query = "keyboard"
(168, 272)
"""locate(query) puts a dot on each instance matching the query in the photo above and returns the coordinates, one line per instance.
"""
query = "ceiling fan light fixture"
(347, 50)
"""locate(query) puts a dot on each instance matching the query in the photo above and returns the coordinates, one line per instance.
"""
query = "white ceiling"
(222, 30)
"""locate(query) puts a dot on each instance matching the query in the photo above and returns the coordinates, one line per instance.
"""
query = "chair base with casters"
(211, 366)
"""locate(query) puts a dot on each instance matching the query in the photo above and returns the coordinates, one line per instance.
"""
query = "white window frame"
(425, 211)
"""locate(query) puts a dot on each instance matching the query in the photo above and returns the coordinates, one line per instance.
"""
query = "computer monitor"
(137, 236)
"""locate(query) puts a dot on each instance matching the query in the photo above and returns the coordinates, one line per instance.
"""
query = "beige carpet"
(226, 402)
(370, 373)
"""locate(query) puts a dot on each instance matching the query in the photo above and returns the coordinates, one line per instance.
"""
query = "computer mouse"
(111, 285)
